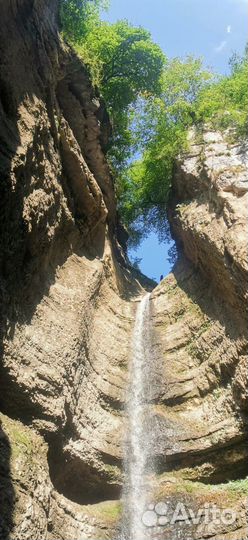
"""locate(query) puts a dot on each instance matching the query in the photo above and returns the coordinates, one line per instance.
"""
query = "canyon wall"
(68, 305)
(200, 337)
(66, 318)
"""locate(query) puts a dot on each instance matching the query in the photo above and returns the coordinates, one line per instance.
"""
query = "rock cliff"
(68, 305)
(66, 318)
(200, 335)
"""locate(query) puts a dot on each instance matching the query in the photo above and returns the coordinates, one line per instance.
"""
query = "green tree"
(153, 102)
(161, 129)
(131, 63)
(224, 104)
(126, 65)
(190, 96)
(78, 17)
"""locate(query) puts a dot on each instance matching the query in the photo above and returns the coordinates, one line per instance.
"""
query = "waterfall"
(137, 444)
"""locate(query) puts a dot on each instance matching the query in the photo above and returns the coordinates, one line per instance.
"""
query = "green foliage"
(225, 103)
(78, 17)
(240, 486)
(152, 103)
(129, 63)
(126, 65)
(132, 63)
(189, 96)
(161, 128)
(123, 61)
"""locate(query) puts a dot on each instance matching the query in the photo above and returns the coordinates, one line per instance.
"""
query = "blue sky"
(212, 29)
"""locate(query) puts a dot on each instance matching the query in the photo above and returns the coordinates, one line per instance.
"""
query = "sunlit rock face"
(200, 338)
(200, 327)
(66, 316)
(209, 215)
(67, 309)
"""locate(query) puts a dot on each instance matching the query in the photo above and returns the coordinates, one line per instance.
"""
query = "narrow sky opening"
(155, 257)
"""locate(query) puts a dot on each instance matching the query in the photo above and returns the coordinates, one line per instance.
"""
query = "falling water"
(136, 451)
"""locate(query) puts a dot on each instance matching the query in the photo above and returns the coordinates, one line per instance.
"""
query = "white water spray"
(136, 450)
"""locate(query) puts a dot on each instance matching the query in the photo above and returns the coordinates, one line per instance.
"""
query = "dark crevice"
(80, 481)
(7, 100)
(215, 463)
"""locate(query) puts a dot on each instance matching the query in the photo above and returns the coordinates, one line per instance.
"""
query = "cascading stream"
(137, 444)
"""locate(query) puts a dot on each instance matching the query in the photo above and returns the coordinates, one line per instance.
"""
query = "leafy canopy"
(130, 62)
(77, 17)
(225, 103)
(190, 96)
(161, 131)
(126, 64)
(152, 103)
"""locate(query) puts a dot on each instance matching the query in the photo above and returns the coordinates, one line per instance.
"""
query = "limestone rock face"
(66, 318)
(68, 306)
(200, 327)
(30, 507)
(201, 353)
(210, 212)
(199, 417)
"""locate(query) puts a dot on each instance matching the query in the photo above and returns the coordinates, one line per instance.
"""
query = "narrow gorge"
(69, 301)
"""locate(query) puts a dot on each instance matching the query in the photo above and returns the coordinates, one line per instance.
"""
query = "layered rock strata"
(68, 305)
